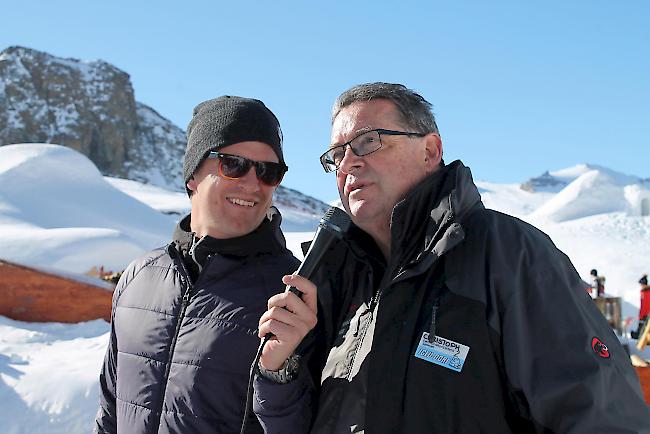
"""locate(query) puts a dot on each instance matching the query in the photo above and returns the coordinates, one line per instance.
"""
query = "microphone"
(334, 223)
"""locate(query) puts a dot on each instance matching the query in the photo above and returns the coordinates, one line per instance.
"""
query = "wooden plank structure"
(611, 310)
(644, 379)
(28, 294)
(644, 339)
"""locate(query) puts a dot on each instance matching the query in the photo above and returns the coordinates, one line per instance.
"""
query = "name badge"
(442, 352)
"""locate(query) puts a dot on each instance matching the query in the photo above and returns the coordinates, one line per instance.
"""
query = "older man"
(435, 314)
(184, 318)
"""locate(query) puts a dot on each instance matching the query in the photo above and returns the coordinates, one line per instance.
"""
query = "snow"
(48, 375)
(57, 210)
(510, 198)
(156, 197)
(59, 214)
(593, 192)
(571, 173)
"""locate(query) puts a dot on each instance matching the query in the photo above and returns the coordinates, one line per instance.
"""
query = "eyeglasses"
(235, 166)
(363, 144)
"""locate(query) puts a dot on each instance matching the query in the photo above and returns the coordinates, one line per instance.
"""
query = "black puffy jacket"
(180, 352)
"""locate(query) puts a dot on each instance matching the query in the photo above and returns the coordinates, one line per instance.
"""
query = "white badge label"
(443, 352)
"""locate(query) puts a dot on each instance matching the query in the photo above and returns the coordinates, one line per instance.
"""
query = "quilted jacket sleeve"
(106, 420)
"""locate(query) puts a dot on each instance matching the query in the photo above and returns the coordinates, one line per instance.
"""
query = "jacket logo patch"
(599, 348)
(442, 352)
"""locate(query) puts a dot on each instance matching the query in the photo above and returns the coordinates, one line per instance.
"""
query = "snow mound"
(56, 210)
(595, 191)
(570, 174)
(158, 198)
(510, 198)
(554, 182)
(49, 375)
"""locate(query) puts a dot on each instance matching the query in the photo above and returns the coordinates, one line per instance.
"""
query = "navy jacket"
(183, 332)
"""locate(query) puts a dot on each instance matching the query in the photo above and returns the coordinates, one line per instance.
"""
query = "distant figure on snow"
(644, 309)
(597, 284)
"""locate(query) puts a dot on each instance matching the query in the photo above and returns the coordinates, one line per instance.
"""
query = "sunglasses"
(235, 166)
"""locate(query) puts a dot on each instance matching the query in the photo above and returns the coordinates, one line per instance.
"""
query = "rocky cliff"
(90, 107)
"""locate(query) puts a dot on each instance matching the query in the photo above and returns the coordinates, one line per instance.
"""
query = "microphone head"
(336, 220)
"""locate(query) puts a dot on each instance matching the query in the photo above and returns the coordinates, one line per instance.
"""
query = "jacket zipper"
(185, 301)
(362, 328)
(401, 274)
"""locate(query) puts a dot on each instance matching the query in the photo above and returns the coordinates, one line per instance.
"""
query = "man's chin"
(358, 210)
(231, 230)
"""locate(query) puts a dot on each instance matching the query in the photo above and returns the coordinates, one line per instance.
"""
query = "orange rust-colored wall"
(32, 295)
(644, 378)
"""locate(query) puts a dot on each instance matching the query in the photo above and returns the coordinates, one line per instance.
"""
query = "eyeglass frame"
(379, 132)
(215, 155)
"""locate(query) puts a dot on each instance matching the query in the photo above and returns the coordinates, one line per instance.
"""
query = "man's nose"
(350, 161)
(250, 180)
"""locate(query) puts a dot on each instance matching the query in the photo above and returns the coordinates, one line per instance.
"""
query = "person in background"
(597, 284)
(644, 308)
(184, 317)
(435, 314)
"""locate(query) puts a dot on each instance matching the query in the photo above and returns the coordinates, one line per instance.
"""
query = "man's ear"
(433, 152)
(191, 185)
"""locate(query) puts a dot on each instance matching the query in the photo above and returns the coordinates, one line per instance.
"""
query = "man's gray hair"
(414, 111)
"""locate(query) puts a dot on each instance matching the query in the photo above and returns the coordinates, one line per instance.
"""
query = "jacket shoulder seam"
(142, 267)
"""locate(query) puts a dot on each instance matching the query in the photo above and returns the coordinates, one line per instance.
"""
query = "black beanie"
(225, 121)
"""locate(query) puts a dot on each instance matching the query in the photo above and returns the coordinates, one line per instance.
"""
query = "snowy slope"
(56, 210)
(48, 376)
(595, 191)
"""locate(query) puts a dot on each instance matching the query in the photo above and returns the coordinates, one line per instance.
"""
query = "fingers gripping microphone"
(332, 226)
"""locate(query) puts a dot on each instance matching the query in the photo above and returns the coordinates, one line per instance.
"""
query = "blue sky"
(517, 87)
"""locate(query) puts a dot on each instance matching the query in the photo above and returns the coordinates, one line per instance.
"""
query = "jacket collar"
(267, 238)
(424, 221)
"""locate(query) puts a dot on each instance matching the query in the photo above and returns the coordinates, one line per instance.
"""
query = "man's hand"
(289, 319)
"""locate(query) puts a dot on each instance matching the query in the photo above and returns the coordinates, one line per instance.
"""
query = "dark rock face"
(544, 182)
(90, 107)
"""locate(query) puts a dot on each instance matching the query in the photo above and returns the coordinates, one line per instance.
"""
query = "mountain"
(588, 189)
(555, 181)
(90, 106)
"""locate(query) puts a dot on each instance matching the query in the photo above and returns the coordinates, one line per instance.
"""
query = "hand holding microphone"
(292, 314)
(289, 318)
